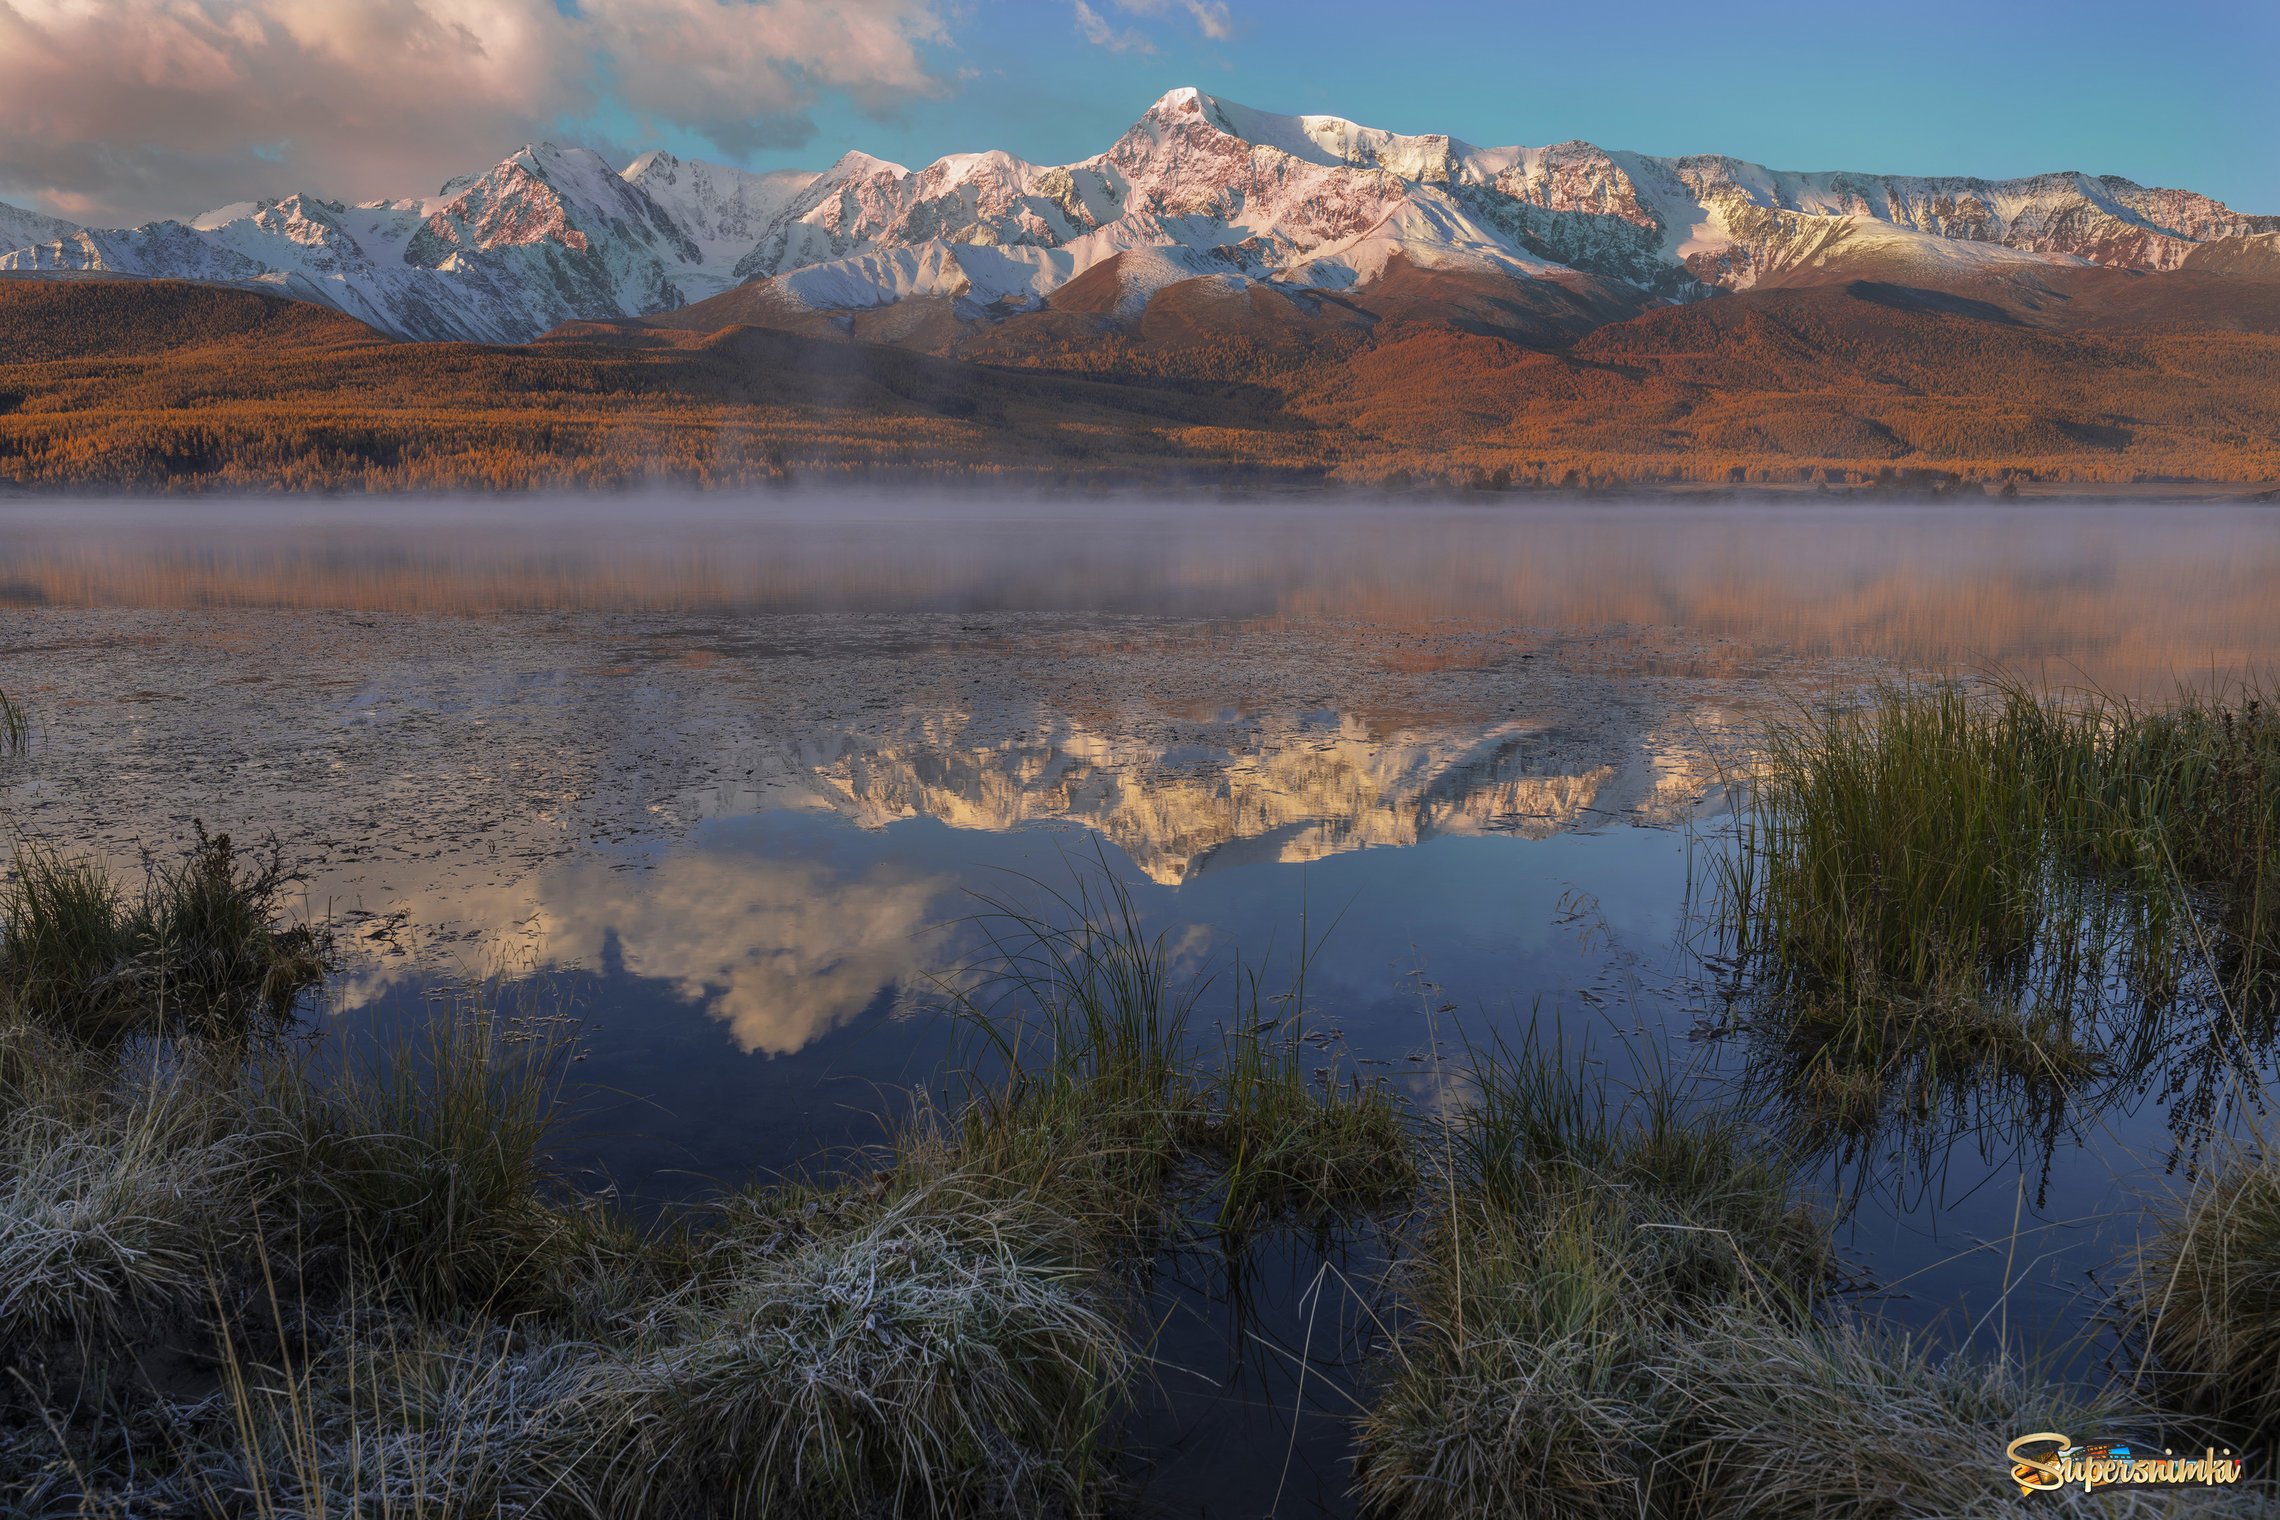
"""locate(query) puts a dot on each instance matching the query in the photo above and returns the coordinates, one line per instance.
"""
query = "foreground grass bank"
(1627, 1306)
(248, 1272)
(251, 1273)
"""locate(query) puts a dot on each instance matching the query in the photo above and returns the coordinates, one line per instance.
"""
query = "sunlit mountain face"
(1226, 204)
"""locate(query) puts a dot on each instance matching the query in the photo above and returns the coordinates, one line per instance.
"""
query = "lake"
(737, 782)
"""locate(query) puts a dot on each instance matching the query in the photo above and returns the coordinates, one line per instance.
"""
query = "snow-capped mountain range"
(1198, 186)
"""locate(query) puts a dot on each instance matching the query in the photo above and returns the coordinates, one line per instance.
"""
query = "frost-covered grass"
(1758, 1420)
(1577, 1236)
(112, 1185)
(2202, 1296)
(377, 1296)
(936, 1354)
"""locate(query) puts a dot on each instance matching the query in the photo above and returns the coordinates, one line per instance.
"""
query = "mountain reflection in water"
(785, 950)
(1287, 797)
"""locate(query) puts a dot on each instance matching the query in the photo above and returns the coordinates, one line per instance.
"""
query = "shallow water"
(725, 777)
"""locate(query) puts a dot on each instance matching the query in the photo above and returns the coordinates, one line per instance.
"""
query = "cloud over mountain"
(122, 110)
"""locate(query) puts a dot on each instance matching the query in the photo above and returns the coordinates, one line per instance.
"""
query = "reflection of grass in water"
(1934, 891)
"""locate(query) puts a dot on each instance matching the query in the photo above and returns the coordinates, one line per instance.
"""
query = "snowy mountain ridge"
(1197, 186)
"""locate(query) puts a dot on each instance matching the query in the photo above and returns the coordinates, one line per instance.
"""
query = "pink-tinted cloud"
(118, 110)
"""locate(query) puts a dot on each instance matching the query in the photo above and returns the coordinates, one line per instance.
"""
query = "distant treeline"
(148, 385)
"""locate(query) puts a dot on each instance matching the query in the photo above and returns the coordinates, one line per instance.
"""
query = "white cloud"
(1211, 16)
(780, 951)
(742, 73)
(1099, 33)
(118, 110)
(1212, 19)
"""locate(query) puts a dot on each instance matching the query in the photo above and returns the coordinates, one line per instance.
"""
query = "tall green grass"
(1095, 1073)
(435, 1150)
(1936, 888)
(200, 947)
(15, 729)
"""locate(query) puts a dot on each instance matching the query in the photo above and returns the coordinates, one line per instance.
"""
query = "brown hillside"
(1790, 384)
(227, 390)
(45, 319)
(133, 384)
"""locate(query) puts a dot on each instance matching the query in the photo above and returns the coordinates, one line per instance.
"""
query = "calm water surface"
(725, 778)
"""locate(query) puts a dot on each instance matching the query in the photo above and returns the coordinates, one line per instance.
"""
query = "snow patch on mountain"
(20, 228)
(724, 212)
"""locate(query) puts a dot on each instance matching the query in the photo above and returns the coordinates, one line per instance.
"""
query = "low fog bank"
(2132, 592)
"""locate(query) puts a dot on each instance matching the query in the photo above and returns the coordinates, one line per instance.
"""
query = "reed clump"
(1936, 889)
(1580, 1236)
(1286, 1137)
(200, 947)
(433, 1150)
(1097, 1085)
(15, 729)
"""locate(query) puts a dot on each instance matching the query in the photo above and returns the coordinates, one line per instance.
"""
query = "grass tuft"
(200, 949)
(15, 729)
(1763, 1421)
(2201, 1298)
(431, 1159)
(1103, 1091)
(1580, 1234)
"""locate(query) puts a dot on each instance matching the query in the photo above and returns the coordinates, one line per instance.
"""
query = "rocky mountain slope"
(1199, 188)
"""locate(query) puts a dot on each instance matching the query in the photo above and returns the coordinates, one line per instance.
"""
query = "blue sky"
(2175, 94)
(114, 111)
